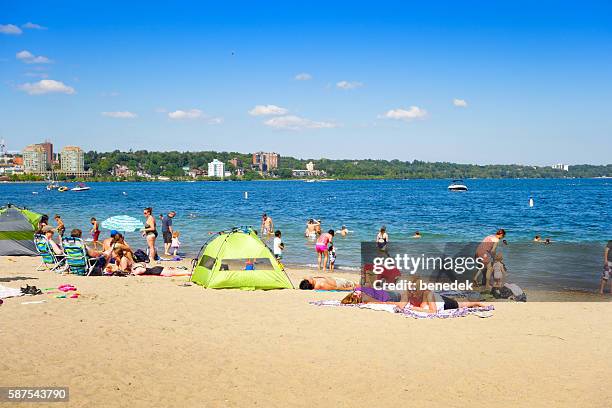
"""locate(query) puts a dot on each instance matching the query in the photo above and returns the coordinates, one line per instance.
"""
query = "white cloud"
(348, 85)
(189, 114)
(262, 110)
(120, 115)
(23, 55)
(192, 114)
(29, 58)
(292, 122)
(414, 112)
(303, 77)
(46, 86)
(462, 103)
(33, 26)
(10, 29)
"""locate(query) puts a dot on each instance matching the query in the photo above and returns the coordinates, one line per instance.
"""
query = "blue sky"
(460, 81)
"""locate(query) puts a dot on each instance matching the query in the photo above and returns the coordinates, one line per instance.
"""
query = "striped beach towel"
(486, 311)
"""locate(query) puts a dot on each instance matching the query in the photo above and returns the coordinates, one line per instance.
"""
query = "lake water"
(572, 210)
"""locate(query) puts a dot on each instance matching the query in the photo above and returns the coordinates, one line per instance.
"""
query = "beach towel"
(6, 292)
(173, 259)
(486, 311)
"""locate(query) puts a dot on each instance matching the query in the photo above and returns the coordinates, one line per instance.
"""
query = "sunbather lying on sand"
(419, 300)
(326, 283)
(141, 269)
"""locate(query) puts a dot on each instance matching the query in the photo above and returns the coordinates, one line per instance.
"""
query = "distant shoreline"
(300, 180)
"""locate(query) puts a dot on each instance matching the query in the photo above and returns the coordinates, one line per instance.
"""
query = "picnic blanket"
(6, 292)
(486, 311)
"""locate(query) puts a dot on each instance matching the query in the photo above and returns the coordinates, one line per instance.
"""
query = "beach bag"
(141, 256)
(513, 292)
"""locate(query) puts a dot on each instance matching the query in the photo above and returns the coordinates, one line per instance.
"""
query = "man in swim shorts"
(267, 226)
(167, 231)
(326, 283)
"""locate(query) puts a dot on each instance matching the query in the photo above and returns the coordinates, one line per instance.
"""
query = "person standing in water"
(321, 247)
(607, 270)
(267, 226)
(310, 231)
(486, 251)
(382, 238)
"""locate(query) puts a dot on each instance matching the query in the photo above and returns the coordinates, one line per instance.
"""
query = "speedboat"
(52, 186)
(80, 187)
(457, 185)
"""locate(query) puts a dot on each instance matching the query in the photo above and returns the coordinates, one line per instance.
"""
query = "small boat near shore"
(457, 185)
(80, 187)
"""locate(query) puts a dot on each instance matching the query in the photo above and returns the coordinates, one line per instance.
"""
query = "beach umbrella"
(123, 223)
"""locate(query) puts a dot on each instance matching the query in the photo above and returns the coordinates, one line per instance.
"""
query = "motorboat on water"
(457, 185)
(53, 184)
(80, 187)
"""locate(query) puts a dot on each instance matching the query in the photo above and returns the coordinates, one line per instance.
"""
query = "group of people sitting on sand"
(112, 255)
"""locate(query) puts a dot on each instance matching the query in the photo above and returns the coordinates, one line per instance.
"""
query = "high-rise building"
(236, 162)
(35, 159)
(72, 159)
(216, 168)
(48, 146)
(310, 166)
(266, 161)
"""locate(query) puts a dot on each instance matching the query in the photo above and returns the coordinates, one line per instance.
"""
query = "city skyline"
(492, 84)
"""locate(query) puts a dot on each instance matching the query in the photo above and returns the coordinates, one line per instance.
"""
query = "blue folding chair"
(77, 259)
(50, 261)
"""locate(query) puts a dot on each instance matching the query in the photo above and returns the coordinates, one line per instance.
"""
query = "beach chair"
(50, 261)
(77, 259)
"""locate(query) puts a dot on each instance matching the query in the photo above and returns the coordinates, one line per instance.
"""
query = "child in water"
(175, 242)
(499, 271)
(332, 256)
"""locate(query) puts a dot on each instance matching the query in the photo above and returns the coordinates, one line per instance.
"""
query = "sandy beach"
(149, 341)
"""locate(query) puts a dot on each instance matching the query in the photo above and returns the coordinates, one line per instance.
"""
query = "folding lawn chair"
(77, 259)
(50, 261)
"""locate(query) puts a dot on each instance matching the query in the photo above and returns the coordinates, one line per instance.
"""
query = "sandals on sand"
(31, 290)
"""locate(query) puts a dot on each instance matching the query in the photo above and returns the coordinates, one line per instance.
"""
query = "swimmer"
(417, 235)
(343, 231)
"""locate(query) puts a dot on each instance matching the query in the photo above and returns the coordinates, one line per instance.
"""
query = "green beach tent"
(17, 226)
(238, 259)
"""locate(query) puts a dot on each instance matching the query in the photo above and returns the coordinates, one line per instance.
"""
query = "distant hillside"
(170, 164)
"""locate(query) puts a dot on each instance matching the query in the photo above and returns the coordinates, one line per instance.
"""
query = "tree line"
(171, 164)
